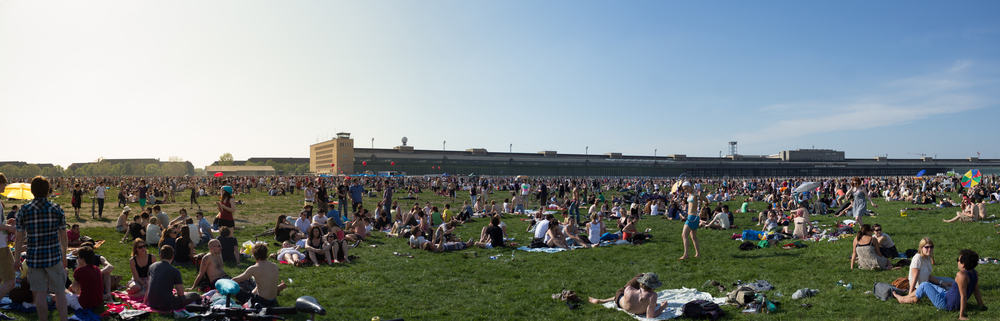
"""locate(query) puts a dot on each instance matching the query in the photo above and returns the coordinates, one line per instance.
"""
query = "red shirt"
(72, 236)
(91, 286)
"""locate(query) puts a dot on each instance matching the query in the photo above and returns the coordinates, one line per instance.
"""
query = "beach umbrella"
(805, 187)
(20, 191)
(921, 172)
(218, 174)
(971, 178)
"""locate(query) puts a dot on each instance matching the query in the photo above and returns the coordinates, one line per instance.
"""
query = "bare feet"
(683, 257)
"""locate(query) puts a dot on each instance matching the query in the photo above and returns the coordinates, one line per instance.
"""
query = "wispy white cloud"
(897, 102)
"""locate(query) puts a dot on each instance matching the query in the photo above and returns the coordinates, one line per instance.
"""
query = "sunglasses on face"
(929, 247)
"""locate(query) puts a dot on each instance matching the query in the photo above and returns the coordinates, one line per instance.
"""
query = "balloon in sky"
(218, 174)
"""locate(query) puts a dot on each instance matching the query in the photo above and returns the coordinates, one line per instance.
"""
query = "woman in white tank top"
(595, 228)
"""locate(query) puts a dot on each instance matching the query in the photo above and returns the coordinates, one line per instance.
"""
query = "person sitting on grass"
(210, 269)
(866, 252)
(153, 232)
(719, 222)
(135, 230)
(595, 228)
(168, 237)
(88, 282)
(166, 288)
(885, 244)
(316, 247)
(230, 246)
(358, 228)
(122, 225)
(140, 262)
(265, 276)
(492, 234)
(284, 231)
(335, 241)
(572, 231)
(969, 211)
(555, 235)
(638, 296)
(956, 297)
(183, 246)
(73, 235)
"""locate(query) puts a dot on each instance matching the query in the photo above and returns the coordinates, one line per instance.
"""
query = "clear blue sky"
(194, 79)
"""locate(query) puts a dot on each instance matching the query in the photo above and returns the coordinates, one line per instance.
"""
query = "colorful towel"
(675, 298)
(546, 249)
(137, 303)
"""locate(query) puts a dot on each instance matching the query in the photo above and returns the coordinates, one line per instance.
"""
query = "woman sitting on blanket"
(572, 232)
(866, 251)
(555, 235)
(316, 247)
(638, 296)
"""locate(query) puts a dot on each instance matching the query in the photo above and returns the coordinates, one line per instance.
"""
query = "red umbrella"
(332, 165)
(364, 163)
(218, 174)
(392, 163)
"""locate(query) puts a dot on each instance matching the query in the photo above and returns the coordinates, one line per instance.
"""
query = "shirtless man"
(638, 296)
(265, 274)
(211, 267)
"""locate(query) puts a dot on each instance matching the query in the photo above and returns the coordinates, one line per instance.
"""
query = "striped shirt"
(42, 221)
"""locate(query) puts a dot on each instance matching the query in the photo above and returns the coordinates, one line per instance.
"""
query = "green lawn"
(469, 285)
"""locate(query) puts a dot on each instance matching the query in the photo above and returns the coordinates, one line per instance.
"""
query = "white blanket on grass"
(675, 298)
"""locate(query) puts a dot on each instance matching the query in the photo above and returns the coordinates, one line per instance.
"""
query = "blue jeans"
(934, 292)
(342, 207)
(473, 198)
(574, 210)
(519, 209)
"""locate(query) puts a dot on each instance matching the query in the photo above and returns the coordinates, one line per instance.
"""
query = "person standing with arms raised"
(41, 232)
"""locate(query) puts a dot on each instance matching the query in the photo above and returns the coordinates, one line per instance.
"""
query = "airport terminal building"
(339, 156)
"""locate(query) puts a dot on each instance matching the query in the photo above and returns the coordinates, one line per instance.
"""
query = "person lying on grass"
(638, 296)
(956, 297)
(289, 253)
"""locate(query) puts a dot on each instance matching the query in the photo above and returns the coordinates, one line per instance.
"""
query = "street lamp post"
(586, 151)
(443, 145)
(510, 148)
(373, 142)
(654, 152)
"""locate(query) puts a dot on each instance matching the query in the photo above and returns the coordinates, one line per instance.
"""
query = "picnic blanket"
(137, 303)
(675, 298)
(546, 249)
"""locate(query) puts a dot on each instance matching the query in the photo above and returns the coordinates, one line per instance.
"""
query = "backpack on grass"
(699, 309)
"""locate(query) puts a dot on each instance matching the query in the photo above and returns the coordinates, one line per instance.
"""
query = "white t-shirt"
(723, 220)
(886, 241)
(99, 191)
(319, 219)
(923, 266)
(195, 234)
(417, 241)
(525, 189)
(303, 225)
(540, 228)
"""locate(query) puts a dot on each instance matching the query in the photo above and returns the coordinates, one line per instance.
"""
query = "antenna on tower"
(732, 148)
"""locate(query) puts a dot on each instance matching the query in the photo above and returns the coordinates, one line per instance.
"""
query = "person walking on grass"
(694, 201)
(41, 233)
(859, 202)
(99, 192)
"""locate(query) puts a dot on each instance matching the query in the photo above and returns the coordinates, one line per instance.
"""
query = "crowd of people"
(333, 219)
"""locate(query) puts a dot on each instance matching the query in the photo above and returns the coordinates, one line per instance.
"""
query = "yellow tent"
(18, 191)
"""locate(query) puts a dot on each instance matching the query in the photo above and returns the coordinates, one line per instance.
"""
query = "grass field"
(468, 285)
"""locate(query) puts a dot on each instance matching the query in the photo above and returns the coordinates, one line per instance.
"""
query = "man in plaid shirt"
(41, 231)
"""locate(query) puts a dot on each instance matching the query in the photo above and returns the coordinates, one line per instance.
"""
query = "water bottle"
(902, 212)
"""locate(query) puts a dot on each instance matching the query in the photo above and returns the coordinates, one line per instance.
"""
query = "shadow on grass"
(763, 256)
